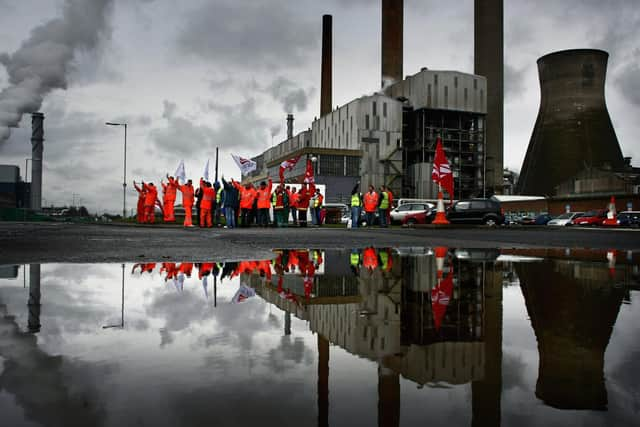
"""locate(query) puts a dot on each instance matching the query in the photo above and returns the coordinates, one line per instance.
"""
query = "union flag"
(441, 173)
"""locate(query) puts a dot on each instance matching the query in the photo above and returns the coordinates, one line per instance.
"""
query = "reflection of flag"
(441, 173)
(204, 285)
(308, 175)
(440, 297)
(180, 173)
(243, 293)
(205, 174)
(287, 165)
(246, 166)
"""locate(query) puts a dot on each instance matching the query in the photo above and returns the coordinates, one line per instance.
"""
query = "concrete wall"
(443, 90)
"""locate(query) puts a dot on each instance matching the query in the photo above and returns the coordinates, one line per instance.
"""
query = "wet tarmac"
(420, 335)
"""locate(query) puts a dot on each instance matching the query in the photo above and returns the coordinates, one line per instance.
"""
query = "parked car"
(591, 218)
(629, 219)
(399, 213)
(564, 219)
(421, 217)
(476, 211)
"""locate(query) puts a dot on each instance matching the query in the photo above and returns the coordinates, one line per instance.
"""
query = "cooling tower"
(573, 130)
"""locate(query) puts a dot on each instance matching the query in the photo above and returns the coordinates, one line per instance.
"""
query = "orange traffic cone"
(441, 218)
(611, 218)
(441, 253)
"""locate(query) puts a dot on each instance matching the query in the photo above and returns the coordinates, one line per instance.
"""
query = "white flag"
(206, 171)
(243, 293)
(246, 165)
(180, 173)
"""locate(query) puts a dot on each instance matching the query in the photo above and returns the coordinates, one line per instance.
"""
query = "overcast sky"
(189, 77)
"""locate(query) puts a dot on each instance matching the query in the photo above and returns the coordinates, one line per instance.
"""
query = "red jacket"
(370, 201)
(170, 189)
(208, 196)
(305, 196)
(151, 195)
(187, 194)
(293, 200)
(247, 195)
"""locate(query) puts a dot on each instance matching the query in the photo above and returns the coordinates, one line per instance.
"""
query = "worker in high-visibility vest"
(208, 196)
(317, 205)
(356, 205)
(370, 202)
(169, 191)
(217, 209)
(187, 202)
(150, 200)
(263, 195)
(390, 204)
(304, 196)
(140, 207)
(293, 203)
(247, 196)
(383, 206)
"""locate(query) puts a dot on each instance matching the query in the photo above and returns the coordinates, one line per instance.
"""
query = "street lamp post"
(124, 176)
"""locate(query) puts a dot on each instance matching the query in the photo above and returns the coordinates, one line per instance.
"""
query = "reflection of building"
(572, 310)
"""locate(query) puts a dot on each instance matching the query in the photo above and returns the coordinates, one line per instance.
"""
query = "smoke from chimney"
(43, 61)
(326, 74)
(392, 43)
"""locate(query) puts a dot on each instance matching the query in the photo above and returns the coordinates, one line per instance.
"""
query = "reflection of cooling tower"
(573, 319)
(573, 130)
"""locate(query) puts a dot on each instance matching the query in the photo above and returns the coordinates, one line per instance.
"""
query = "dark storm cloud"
(514, 82)
(237, 126)
(628, 82)
(259, 34)
(44, 60)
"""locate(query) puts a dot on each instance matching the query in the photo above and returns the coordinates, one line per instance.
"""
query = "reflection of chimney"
(289, 126)
(392, 33)
(37, 138)
(323, 381)
(34, 298)
(388, 397)
(325, 83)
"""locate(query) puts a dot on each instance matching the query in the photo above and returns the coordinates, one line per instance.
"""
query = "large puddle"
(414, 336)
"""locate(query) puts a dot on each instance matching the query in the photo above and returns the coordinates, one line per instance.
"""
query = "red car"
(419, 218)
(592, 218)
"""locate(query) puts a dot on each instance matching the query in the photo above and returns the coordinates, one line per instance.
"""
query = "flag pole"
(216, 180)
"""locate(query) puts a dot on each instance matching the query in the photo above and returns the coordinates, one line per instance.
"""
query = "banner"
(180, 173)
(243, 293)
(206, 171)
(308, 175)
(441, 173)
(246, 165)
(287, 165)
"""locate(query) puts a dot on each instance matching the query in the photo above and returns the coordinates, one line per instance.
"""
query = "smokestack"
(325, 83)
(573, 129)
(289, 126)
(37, 139)
(489, 62)
(392, 33)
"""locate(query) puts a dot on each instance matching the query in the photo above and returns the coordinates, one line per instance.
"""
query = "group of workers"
(245, 205)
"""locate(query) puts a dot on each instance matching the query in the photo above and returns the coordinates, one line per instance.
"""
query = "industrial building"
(389, 138)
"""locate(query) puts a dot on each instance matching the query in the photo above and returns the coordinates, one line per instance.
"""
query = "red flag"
(308, 175)
(287, 165)
(441, 173)
(440, 297)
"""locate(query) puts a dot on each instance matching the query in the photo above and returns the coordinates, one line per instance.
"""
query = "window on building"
(446, 96)
(343, 126)
(366, 121)
(374, 109)
(466, 96)
(429, 95)
(481, 98)
(435, 79)
(475, 84)
(384, 109)
(346, 139)
(331, 165)
(351, 122)
(455, 82)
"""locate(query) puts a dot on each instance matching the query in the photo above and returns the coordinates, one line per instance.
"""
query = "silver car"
(564, 219)
(401, 211)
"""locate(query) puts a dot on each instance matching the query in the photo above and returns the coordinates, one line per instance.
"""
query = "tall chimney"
(489, 62)
(37, 139)
(325, 83)
(289, 126)
(392, 33)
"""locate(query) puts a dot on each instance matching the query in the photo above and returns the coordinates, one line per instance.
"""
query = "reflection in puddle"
(373, 335)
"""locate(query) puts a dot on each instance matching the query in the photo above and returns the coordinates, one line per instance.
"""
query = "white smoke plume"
(275, 130)
(44, 60)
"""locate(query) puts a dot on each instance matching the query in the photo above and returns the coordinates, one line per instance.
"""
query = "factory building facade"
(390, 139)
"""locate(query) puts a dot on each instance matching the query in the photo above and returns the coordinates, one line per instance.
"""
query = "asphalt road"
(64, 242)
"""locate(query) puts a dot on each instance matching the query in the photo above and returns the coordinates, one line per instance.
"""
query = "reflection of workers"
(169, 198)
(150, 202)
(354, 261)
(140, 206)
(187, 202)
(208, 196)
(370, 259)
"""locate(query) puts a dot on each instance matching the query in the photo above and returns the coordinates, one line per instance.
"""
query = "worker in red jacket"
(140, 207)
(370, 202)
(264, 195)
(247, 196)
(169, 192)
(304, 196)
(187, 201)
(293, 204)
(208, 196)
(370, 259)
(150, 199)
